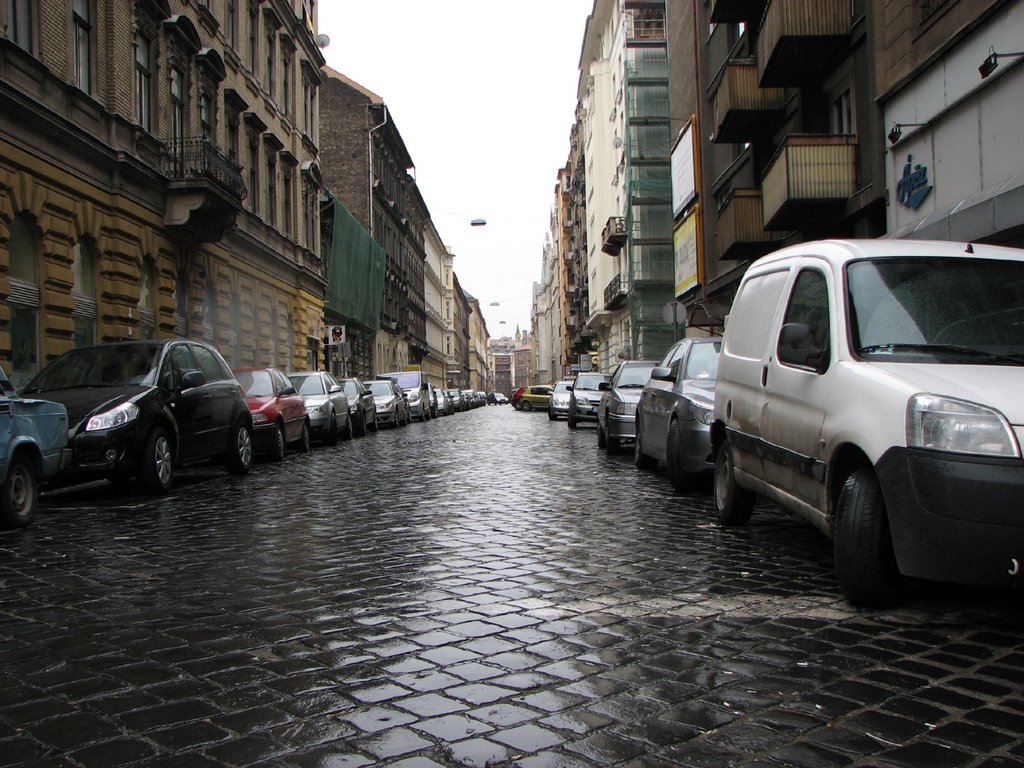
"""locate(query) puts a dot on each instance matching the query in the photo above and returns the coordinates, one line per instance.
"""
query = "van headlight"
(115, 417)
(957, 426)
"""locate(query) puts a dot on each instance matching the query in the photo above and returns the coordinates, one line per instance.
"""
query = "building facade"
(437, 262)
(479, 368)
(159, 177)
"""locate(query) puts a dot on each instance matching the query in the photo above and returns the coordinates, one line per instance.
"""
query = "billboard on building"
(684, 175)
(686, 244)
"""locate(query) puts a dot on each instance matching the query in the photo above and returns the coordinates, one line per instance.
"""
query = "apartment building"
(438, 262)
(476, 360)
(159, 177)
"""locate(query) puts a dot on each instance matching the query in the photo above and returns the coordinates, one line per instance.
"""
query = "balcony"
(801, 41)
(809, 180)
(614, 293)
(613, 236)
(735, 11)
(741, 233)
(645, 26)
(204, 192)
(742, 109)
(647, 69)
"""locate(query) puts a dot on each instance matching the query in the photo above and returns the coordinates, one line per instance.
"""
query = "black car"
(142, 408)
(361, 406)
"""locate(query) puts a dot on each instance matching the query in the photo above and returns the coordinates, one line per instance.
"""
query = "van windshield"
(966, 310)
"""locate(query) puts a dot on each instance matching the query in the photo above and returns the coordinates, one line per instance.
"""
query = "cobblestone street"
(486, 589)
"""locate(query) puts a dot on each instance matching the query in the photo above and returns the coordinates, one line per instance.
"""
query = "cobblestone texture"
(483, 590)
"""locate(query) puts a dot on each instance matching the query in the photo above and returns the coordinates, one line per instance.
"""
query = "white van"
(876, 388)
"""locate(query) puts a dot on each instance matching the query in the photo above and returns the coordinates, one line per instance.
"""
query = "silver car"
(616, 413)
(675, 412)
(558, 405)
(390, 402)
(326, 404)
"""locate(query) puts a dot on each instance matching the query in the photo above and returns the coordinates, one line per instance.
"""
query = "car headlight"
(414, 398)
(259, 418)
(702, 412)
(957, 426)
(313, 409)
(115, 417)
(624, 409)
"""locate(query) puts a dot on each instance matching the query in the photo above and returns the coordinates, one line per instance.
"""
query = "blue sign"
(913, 187)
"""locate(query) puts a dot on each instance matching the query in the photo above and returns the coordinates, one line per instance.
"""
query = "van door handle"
(764, 376)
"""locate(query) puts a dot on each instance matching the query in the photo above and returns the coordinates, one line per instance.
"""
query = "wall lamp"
(897, 130)
(991, 61)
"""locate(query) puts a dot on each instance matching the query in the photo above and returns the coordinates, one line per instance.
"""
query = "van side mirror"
(798, 347)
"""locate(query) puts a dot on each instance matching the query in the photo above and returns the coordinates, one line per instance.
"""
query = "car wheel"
(862, 542)
(526, 405)
(19, 493)
(349, 431)
(570, 420)
(613, 445)
(551, 415)
(156, 468)
(277, 444)
(303, 443)
(359, 427)
(682, 481)
(641, 459)
(331, 438)
(732, 503)
(240, 453)
(602, 437)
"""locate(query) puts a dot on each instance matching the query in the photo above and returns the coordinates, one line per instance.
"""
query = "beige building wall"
(478, 368)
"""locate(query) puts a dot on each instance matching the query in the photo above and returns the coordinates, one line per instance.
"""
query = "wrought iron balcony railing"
(198, 159)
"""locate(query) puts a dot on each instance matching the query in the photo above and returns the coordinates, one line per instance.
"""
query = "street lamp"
(991, 61)
(897, 130)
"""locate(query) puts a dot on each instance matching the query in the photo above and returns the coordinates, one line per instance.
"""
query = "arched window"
(84, 292)
(147, 299)
(23, 300)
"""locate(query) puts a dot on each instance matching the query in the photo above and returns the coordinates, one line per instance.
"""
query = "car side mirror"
(569, 388)
(335, 388)
(798, 347)
(286, 391)
(604, 386)
(662, 373)
(191, 379)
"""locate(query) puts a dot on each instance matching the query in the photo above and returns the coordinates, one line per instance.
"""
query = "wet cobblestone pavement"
(483, 590)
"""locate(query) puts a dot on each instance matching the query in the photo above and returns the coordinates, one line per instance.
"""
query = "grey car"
(584, 395)
(616, 413)
(361, 406)
(391, 403)
(326, 404)
(675, 412)
(558, 405)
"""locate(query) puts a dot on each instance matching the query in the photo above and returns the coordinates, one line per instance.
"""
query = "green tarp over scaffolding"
(355, 272)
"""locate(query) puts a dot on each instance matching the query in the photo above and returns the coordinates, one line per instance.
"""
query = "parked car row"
(139, 410)
(871, 387)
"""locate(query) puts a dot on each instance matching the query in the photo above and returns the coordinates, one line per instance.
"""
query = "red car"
(279, 415)
(516, 397)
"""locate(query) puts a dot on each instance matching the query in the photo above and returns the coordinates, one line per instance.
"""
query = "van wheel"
(19, 493)
(681, 480)
(156, 468)
(862, 542)
(733, 503)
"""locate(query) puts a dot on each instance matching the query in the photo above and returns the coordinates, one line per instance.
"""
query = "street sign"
(674, 312)
(336, 334)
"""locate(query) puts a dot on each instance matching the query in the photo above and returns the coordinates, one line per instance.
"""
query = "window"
(843, 119)
(19, 23)
(231, 30)
(181, 305)
(286, 81)
(254, 174)
(308, 14)
(232, 135)
(143, 81)
(206, 115)
(311, 198)
(271, 189)
(271, 58)
(287, 192)
(211, 367)
(177, 108)
(84, 293)
(808, 306)
(254, 36)
(23, 299)
(82, 25)
(308, 106)
(147, 299)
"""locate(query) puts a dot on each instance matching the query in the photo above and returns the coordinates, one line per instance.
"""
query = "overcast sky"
(484, 94)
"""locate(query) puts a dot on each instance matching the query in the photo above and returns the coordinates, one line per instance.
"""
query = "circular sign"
(674, 312)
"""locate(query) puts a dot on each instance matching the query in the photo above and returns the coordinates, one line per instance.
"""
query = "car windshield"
(703, 361)
(380, 388)
(635, 375)
(589, 380)
(309, 385)
(256, 383)
(114, 365)
(967, 310)
(562, 387)
(406, 380)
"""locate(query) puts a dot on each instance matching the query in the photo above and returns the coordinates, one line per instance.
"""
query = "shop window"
(23, 300)
(84, 293)
(147, 299)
